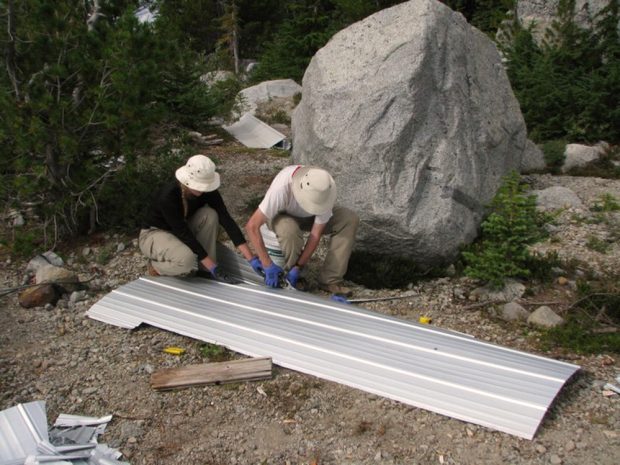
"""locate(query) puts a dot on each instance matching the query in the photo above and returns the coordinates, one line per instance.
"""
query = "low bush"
(511, 226)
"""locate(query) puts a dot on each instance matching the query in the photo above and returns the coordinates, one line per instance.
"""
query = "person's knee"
(187, 263)
(205, 218)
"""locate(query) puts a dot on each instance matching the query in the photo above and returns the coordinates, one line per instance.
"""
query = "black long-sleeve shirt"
(167, 214)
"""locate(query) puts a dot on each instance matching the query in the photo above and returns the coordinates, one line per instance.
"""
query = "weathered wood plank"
(252, 369)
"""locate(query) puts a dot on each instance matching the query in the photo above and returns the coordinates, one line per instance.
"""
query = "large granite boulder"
(412, 112)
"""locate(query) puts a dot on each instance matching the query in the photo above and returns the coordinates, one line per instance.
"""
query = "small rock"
(38, 296)
(78, 296)
(570, 446)
(512, 311)
(545, 317)
(541, 449)
(555, 459)
(562, 281)
(120, 247)
(86, 251)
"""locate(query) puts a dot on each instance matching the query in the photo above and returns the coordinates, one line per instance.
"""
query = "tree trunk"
(10, 50)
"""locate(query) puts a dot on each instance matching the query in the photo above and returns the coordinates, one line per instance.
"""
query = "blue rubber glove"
(256, 265)
(272, 275)
(221, 276)
(339, 298)
(293, 276)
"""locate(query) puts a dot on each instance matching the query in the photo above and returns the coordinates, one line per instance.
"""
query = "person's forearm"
(252, 229)
(309, 248)
(245, 251)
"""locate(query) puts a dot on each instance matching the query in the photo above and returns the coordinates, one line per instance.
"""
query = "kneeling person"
(302, 198)
(180, 234)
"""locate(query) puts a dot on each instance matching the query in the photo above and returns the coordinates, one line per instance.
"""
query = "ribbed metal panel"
(442, 371)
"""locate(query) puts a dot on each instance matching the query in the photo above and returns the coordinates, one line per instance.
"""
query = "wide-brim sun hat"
(314, 189)
(199, 174)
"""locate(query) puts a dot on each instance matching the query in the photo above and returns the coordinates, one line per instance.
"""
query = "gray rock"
(78, 296)
(555, 459)
(252, 97)
(512, 290)
(577, 155)
(545, 317)
(512, 311)
(67, 279)
(533, 158)
(412, 112)
(557, 197)
(539, 14)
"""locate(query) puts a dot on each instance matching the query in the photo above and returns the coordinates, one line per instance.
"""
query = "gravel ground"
(82, 366)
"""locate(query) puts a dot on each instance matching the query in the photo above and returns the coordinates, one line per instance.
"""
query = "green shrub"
(511, 226)
(553, 151)
(125, 200)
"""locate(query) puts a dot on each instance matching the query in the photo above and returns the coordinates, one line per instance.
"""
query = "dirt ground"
(81, 366)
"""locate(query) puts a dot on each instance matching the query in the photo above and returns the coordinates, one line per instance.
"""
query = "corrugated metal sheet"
(252, 132)
(442, 371)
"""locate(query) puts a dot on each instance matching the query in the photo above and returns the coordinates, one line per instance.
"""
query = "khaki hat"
(199, 174)
(314, 189)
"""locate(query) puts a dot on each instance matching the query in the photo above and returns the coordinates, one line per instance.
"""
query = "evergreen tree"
(81, 90)
(568, 86)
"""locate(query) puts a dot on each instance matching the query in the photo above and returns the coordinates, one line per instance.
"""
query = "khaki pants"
(340, 229)
(171, 257)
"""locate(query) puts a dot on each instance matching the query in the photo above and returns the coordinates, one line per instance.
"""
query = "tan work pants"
(340, 229)
(171, 257)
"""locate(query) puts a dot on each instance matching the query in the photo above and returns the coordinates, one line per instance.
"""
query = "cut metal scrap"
(423, 366)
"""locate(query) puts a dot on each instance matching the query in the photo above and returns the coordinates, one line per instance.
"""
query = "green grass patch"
(592, 323)
(215, 353)
(606, 203)
(598, 245)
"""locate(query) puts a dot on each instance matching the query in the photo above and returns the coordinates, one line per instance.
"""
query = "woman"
(181, 231)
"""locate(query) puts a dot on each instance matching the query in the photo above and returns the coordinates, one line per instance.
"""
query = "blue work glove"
(339, 298)
(221, 276)
(256, 265)
(293, 276)
(272, 275)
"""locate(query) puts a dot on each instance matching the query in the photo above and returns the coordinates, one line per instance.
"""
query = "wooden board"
(252, 369)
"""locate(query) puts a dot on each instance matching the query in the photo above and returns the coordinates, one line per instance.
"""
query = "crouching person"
(302, 198)
(179, 237)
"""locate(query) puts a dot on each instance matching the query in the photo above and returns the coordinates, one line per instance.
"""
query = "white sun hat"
(199, 174)
(314, 189)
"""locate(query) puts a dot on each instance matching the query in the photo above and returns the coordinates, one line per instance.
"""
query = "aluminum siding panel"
(442, 371)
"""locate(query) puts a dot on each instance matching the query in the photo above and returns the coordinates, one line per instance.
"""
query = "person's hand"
(257, 266)
(293, 276)
(222, 276)
(272, 275)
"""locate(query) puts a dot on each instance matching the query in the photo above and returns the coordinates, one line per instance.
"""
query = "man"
(301, 198)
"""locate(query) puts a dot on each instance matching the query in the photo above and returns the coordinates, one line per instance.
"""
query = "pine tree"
(78, 100)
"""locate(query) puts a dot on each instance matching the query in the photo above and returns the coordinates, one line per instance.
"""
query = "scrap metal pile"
(72, 440)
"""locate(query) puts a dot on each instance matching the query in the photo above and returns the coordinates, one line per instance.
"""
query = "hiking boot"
(150, 270)
(336, 288)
